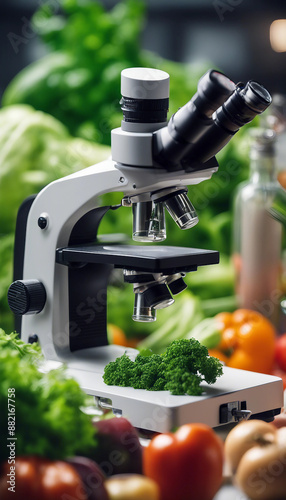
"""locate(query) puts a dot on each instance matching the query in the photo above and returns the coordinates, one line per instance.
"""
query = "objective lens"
(157, 229)
(178, 205)
(142, 312)
(182, 211)
(148, 221)
(176, 283)
(157, 296)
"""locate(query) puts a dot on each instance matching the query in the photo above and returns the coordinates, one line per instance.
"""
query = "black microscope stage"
(146, 258)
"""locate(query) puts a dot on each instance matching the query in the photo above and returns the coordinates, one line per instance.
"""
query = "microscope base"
(228, 400)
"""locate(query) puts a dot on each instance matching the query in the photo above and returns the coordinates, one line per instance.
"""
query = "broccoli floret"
(210, 368)
(119, 372)
(180, 370)
(183, 382)
(146, 371)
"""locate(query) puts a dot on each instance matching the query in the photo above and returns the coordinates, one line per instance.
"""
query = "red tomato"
(38, 478)
(187, 464)
(280, 351)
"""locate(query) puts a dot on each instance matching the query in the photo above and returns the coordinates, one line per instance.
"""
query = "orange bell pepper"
(247, 339)
(117, 336)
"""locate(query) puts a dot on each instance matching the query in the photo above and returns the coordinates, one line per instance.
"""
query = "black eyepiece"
(200, 129)
(213, 89)
(256, 96)
(189, 124)
(240, 108)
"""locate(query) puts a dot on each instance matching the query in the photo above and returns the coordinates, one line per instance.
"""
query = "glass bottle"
(257, 237)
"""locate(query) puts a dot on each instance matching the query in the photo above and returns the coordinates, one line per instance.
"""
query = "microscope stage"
(159, 411)
(148, 257)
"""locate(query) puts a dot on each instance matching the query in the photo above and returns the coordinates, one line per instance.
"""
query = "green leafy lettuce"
(35, 149)
(78, 81)
(50, 420)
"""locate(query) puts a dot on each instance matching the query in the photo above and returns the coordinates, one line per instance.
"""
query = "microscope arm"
(61, 204)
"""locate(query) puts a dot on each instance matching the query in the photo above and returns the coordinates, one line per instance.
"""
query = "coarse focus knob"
(26, 297)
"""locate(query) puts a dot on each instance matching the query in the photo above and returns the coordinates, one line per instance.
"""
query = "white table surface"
(229, 492)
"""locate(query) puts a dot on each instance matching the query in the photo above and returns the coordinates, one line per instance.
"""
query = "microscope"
(62, 268)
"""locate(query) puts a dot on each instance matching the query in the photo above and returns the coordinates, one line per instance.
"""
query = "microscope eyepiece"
(207, 122)
(188, 125)
(213, 89)
(256, 96)
(222, 81)
(240, 108)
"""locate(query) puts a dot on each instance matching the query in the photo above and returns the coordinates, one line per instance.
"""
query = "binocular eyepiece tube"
(208, 121)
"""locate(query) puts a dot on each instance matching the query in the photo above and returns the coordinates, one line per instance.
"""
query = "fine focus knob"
(26, 297)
